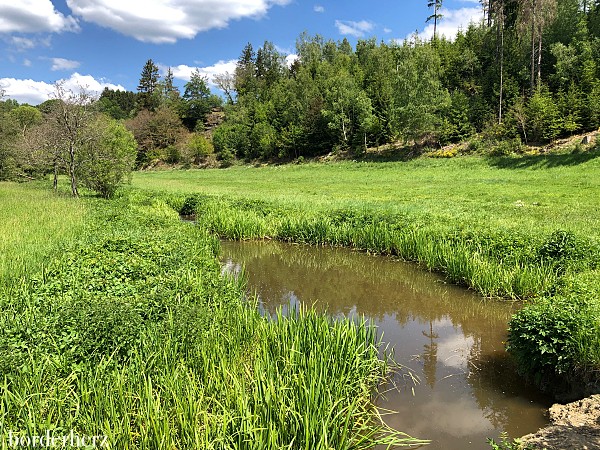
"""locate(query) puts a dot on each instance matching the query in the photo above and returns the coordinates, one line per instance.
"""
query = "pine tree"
(147, 86)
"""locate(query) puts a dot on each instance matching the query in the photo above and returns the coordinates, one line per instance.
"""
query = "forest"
(526, 75)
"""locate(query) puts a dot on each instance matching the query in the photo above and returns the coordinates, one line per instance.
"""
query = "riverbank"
(514, 227)
(574, 426)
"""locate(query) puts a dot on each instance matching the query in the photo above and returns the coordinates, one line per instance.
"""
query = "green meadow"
(117, 321)
(533, 193)
(519, 227)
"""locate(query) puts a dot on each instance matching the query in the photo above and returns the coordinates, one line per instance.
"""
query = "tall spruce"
(148, 86)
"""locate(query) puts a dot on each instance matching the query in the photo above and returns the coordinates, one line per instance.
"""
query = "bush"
(107, 160)
(200, 147)
(564, 250)
(560, 334)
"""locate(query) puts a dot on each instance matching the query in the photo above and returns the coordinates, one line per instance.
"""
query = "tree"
(168, 91)
(117, 104)
(226, 82)
(419, 93)
(197, 100)
(245, 71)
(72, 115)
(26, 116)
(147, 86)
(536, 15)
(107, 157)
(155, 131)
(436, 5)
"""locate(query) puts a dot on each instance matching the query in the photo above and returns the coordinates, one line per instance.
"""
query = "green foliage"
(148, 94)
(108, 159)
(117, 104)
(197, 101)
(26, 117)
(555, 335)
(200, 147)
(156, 131)
(132, 332)
(544, 118)
(506, 443)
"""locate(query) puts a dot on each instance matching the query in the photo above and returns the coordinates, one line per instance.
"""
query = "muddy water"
(450, 338)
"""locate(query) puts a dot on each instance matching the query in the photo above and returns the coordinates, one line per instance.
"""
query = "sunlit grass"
(33, 223)
(534, 194)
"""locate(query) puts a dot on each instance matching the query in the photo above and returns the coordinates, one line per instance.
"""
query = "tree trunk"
(533, 46)
(74, 190)
(55, 180)
(501, 25)
(539, 63)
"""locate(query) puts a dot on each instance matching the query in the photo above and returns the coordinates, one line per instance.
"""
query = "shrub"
(560, 334)
(108, 159)
(200, 147)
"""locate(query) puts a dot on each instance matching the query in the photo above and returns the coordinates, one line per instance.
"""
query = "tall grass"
(133, 333)
(495, 264)
(33, 224)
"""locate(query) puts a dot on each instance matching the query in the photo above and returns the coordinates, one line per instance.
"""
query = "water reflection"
(451, 338)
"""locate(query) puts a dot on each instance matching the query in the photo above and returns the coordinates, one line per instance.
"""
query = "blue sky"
(98, 43)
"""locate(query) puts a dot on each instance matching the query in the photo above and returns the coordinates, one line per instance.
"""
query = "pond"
(449, 338)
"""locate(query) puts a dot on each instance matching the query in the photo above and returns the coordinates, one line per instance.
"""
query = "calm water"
(451, 339)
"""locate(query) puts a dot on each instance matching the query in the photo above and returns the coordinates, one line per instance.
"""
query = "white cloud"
(27, 63)
(319, 9)
(35, 92)
(387, 30)
(452, 21)
(21, 44)
(160, 21)
(33, 16)
(290, 59)
(64, 64)
(356, 29)
(184, 72)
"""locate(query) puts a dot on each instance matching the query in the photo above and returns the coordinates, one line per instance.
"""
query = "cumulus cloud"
(184, 72)
(351, 28)
(36, 92)
(452, 21)
(319, 9)
(158, 21)
(34, 16)
(64, 64)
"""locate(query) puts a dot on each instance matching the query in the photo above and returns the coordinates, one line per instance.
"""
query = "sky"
(105, 43)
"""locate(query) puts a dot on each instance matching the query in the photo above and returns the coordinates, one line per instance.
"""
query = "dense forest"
(526, 75)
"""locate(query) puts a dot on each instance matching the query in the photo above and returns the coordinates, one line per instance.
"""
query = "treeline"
(528, 73)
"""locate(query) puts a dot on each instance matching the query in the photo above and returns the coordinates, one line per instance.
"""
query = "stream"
(450, 339)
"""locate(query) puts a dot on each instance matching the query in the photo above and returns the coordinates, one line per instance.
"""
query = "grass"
(516, 227)
(532, 195)
(132, 332)
(33, 222)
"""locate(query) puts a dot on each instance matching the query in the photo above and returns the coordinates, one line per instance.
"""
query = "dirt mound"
(574, 426)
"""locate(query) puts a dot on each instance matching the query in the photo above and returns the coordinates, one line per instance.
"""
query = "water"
(450, 338)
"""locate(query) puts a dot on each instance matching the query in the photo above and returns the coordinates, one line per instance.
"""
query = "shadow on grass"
(543, 161)
(391, 154)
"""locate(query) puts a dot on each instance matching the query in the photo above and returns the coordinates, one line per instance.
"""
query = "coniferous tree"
(147, 86)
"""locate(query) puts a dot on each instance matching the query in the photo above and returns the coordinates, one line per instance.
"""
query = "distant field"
(531, 194)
